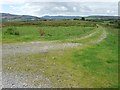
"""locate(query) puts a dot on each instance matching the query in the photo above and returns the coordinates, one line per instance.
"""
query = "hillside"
(13, 17)
(103, 17)
(61, 17)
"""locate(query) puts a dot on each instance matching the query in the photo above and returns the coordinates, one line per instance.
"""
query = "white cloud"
(61, 8)
(13, 1)
(29, 1)
(0, 9)
(74, 8)
(64, 8)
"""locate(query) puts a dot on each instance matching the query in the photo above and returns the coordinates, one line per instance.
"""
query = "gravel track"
(39, 47)
(15, 80)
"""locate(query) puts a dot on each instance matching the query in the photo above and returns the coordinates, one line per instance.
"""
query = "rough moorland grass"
(93, 66)
(101, 60)
(53, 23)
(102, 64)
(31, 33)
(98, 32)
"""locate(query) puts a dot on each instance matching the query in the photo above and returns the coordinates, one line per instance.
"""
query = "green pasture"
(33, 33)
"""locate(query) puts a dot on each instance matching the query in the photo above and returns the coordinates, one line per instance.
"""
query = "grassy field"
(44, 30)
(31, 33)
(53, 23)
(91, 66)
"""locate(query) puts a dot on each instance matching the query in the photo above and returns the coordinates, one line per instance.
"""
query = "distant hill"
(61, 17)
(6, 17)
(103, 17)
(13, 17)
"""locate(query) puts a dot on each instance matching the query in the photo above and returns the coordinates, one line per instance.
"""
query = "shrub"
(42, 33)
(17, 33)
(12, 31)
(75, 19)
(83, 18)
(49, 34)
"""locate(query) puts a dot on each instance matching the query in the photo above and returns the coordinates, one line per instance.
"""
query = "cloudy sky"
(62, 7)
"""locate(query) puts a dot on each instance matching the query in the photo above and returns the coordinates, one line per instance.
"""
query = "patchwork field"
(59, 54)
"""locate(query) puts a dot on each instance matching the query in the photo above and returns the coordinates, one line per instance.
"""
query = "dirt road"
(14, 80)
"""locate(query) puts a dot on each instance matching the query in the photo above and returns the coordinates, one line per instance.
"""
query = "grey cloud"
(61, 8)
(74, 8)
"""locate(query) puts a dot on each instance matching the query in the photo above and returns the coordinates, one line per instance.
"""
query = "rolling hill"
(6, 17)
(13, 17)
(103, 17)
(61, 17)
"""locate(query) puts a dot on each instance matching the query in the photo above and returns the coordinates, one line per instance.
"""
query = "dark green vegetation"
(91, 66)
(54, 23)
